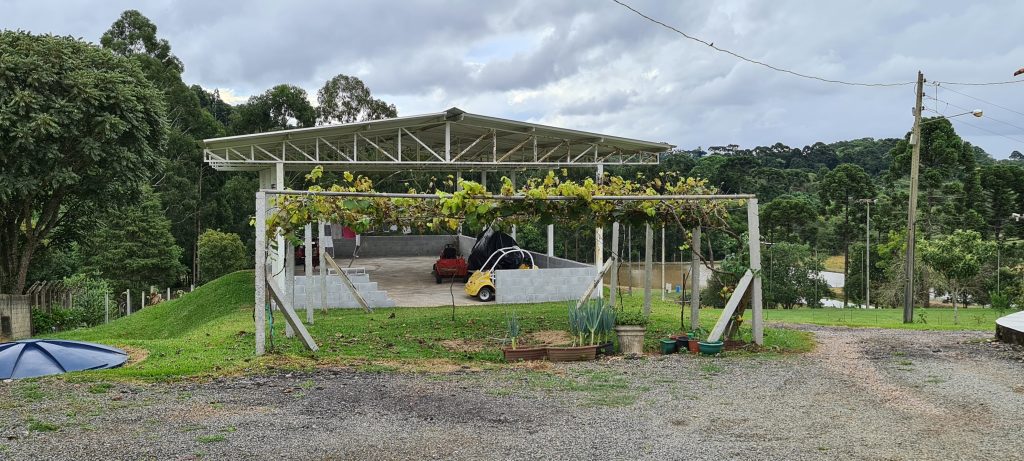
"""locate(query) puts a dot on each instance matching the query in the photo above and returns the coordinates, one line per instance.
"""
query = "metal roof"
(449, 140)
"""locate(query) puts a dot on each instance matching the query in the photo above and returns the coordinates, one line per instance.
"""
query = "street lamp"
(915, 161)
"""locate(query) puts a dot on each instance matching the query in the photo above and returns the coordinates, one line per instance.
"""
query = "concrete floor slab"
(409, 280)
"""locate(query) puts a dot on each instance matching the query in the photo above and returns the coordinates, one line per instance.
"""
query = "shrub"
(220, 253)
(87, 308)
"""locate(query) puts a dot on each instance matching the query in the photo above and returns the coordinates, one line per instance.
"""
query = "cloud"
(595, 66)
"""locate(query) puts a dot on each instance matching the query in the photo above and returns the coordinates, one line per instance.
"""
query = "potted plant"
(605, 330)
(710, 347)
(515, 353)
(630, 327)
(669, 346)
(584, 322)
(693, 343)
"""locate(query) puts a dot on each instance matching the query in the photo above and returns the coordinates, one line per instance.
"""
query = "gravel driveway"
(863, 394)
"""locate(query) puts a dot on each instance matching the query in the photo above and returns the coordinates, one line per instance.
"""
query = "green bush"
(87, 308)
(220, 253)
(631, 317)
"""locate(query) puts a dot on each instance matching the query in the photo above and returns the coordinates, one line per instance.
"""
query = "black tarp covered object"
(29, 358)
(487, 243)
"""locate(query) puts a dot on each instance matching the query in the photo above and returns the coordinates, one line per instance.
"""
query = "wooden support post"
(106, 307)
(323, 266)
(648, 267)
(290, 318)
(754, 232)
(731, 305)
(348, 283)
(599, 235)
(598, 281)
(307, 273)
(614, 288)
(128, 302)
(695, 279)
(260, 308)
(289, 284)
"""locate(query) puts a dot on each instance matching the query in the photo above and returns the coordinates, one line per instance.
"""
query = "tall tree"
(79, 131)
(132, 246)
(279, 108)
(185, 178)
(346, 99)
(839, 189)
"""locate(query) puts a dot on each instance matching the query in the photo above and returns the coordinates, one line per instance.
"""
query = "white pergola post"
(614, 286)
(277, 265)
(289, 284)
(599, 237)
(307, 273)
(695, 279)
(323, 265)
(754, 232)
(551, 239)
(648, 267)
(513, 178)
(663, 289)
(260, 308)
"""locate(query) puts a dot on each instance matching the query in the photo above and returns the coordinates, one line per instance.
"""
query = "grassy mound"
(206, 331)
(181, 317)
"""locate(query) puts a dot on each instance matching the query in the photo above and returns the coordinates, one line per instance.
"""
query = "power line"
(983, 101)
(1007, 82)
(966, 109)
(754, 61)
(792, 72)
(956, 120)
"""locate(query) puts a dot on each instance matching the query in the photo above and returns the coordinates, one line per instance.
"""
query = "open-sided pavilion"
(452, 141)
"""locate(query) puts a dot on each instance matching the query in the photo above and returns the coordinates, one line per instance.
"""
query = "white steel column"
(599, 237)
(614, 286)
(663, 289)
(277, 265)
(323, 265)
(551, 239)
(260, 308)
(307, 274)
(754, 231)
(648, 267)
(513, 185)
(695, 278)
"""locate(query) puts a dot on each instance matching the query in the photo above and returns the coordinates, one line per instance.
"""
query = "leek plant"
(512, 327)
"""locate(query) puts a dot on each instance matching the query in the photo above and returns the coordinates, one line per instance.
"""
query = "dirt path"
(862, 394)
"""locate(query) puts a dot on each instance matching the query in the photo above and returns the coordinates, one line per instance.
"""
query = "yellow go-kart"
(481, 284)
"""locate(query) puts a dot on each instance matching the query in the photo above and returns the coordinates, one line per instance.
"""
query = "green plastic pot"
(669, 346)
(711, 348)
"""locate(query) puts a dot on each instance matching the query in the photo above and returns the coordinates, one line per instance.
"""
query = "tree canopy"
(80, 129)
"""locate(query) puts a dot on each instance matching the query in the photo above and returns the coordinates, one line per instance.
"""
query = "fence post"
(106, 307)
(127, 302)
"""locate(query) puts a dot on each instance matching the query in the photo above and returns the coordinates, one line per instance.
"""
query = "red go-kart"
(450, 264)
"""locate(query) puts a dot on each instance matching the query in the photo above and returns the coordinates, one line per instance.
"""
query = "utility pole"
(915, 160)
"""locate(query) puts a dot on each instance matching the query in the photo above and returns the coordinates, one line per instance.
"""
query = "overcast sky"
(593, 65)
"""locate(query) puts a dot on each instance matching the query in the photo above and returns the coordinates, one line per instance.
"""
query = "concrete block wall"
(551, 262)
(542, 285)
(15, 317)
(382, 246)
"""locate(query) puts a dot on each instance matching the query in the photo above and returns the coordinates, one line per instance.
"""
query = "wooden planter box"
(525, 353)
(572, 354)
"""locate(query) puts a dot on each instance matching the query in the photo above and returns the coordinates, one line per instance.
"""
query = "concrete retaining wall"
(382, 246)
(15, 317)
(542, 285)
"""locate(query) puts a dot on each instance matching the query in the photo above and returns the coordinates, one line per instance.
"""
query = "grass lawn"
(209, 332)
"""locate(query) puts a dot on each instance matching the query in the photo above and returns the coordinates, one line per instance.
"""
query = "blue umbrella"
(40, 357)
